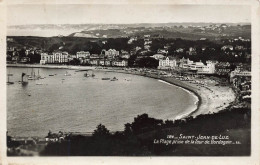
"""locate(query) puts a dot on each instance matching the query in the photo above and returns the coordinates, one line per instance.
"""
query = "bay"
(78, 104)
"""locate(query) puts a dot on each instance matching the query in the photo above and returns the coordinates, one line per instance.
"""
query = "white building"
(241, 73)
(167, 63)
(162, 51)
(55, 57)
(120, 63)
(104, 62)
(157, 56)
(185, 63)
(201, 68)
(198, 67)
(230, 47)
(82, 54)
(111, 53)
(125, 56)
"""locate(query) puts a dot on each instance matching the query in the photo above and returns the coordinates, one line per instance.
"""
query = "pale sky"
(116, 14)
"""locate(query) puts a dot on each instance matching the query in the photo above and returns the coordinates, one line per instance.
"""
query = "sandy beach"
(212, 98)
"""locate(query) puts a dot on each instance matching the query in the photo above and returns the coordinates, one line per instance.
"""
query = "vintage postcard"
(127, 81)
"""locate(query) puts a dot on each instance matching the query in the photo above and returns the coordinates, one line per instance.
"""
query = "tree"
(148, 62)
(101, 131)
(131, 60)
(75, 61)
(128, 130)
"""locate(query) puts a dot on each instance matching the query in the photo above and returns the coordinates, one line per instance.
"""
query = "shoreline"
(175, 83)
(203, 104)
(71, 67)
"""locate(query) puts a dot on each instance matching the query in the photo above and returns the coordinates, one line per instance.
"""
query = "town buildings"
(147, 42)
(223, 68)
(157, 56)
(82, 54)
(230, 47)
(240, 75)
(185, 63)
(108, 58)
(122, 63)
(197, 67)
(167, 63)
(124, 54)
(111, 53)
(201, 68)
(54, 58)
(191, 51)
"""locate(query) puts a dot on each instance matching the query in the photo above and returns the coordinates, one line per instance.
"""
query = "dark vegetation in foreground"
(137, 139)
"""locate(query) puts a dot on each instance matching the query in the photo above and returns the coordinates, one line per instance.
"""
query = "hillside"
(169, 30)
(49, 44)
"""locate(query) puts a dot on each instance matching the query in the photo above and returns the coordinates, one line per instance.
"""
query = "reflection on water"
(78, 103)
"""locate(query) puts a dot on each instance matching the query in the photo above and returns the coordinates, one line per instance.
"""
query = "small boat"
(30, 78)
(114, 79)
(29, 94)
(24, 83)
(86, 75)
(38, 76)
(51, 74)
(67, 74)
(106, 78)
(39, 83)
(93, 75)
(9, 82)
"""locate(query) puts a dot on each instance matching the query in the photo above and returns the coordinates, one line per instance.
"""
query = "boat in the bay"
(30, 78)
(93, 75)
(106, 78)
(114, 79)
(23, 81)
(33, 76)
(67, 74)
(51, 74)
(86, 75)
(38, 76)
(9, 82)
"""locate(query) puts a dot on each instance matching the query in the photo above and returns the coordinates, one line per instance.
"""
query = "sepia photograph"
(128, 80)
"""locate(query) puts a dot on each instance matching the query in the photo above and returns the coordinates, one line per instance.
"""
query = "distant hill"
(189, 33)
(49, 44)
(110, 30)
(90, 39)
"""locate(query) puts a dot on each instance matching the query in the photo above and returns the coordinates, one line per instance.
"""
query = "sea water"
(78, 104)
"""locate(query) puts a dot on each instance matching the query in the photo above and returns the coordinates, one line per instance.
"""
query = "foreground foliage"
(138, 137)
